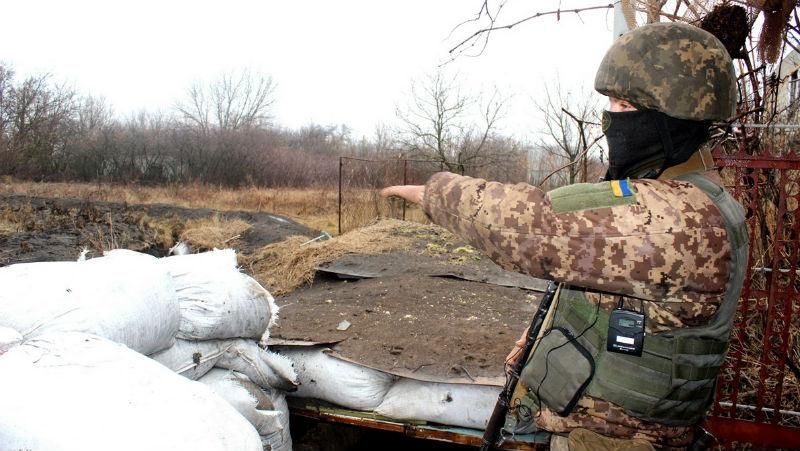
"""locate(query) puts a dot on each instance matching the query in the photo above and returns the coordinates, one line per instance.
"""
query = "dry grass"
(8, 227)
(361, 207)
(214, 232)
(288, 264)
(315, 208)
(163, 232)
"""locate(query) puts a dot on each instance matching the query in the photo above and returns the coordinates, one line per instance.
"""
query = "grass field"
(314, 207)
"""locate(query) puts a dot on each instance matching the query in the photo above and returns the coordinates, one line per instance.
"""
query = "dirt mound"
(409, 310)
(45, 229)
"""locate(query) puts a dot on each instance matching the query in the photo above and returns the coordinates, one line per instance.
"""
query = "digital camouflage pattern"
(678, 69)
(606, 419)
(585, 440)
(669, 247)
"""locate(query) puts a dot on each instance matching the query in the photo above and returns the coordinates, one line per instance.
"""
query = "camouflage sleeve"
(666, 241)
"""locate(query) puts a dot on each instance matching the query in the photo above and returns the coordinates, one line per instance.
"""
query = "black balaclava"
(643, 143)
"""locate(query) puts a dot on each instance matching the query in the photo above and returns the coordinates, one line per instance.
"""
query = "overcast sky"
(334, 62)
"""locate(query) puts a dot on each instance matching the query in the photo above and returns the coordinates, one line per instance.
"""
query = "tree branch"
(492, 27)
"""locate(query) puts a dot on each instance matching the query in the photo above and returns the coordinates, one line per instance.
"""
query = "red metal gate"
(758, 397)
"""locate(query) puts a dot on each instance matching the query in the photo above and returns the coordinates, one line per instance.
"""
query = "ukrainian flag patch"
(621, 188)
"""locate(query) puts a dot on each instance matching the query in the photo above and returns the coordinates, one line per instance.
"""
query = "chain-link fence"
(360, 181)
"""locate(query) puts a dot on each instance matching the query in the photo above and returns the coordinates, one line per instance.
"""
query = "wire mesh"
(360, 182)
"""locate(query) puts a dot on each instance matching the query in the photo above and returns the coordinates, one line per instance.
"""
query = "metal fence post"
(340, 195)
(405, 182)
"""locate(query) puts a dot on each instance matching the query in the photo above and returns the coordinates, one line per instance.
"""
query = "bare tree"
(232, 102)
(444, 125)
(40, 117)
(93, 113)
(6, 86)
(87, 153)
(570, 131)
(384, 143)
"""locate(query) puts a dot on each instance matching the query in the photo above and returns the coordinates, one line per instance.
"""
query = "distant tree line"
(222, 133)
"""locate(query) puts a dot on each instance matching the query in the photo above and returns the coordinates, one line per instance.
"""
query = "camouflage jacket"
(665, 243)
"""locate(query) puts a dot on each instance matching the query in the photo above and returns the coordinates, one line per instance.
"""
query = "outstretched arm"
(411, 193)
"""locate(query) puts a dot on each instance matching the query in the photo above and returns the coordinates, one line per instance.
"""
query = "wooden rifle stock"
(498, 418)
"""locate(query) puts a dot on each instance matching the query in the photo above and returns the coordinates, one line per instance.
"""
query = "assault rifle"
(498, 418)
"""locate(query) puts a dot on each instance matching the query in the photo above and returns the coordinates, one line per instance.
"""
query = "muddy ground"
(436, 310)
(58, 229)
(416, 318)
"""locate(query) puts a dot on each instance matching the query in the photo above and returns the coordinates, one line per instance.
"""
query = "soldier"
(650, 262)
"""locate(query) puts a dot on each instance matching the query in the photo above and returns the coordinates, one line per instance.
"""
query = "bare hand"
(516, 353)
(411, 193)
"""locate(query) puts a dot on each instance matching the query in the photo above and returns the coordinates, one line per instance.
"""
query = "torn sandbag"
(263, 367)
(67, 391)
(248, 399)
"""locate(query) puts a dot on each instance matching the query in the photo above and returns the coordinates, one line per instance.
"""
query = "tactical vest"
(673, 381)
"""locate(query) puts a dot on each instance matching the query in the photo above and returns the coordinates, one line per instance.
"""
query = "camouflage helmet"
(675, 68)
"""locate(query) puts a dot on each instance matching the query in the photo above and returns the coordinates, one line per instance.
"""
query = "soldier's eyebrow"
(624, 104)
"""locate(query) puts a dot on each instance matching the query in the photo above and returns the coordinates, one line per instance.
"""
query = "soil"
(58, 229)
(410, 321)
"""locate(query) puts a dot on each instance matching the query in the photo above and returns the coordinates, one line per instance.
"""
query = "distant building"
(787, 76)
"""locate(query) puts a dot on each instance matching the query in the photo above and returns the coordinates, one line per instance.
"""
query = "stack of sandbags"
(69, 390)
(190, 313)
(223, 315)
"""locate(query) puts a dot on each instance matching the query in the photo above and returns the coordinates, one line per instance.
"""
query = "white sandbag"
(192, 359)
(216, 300)
(70, 391)
(334, 380)
(9, 338)
(464, 405)
(129, 254)
(216, 260)
(247, 398)
(263, 367)
(280, 440)
(125, 300)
